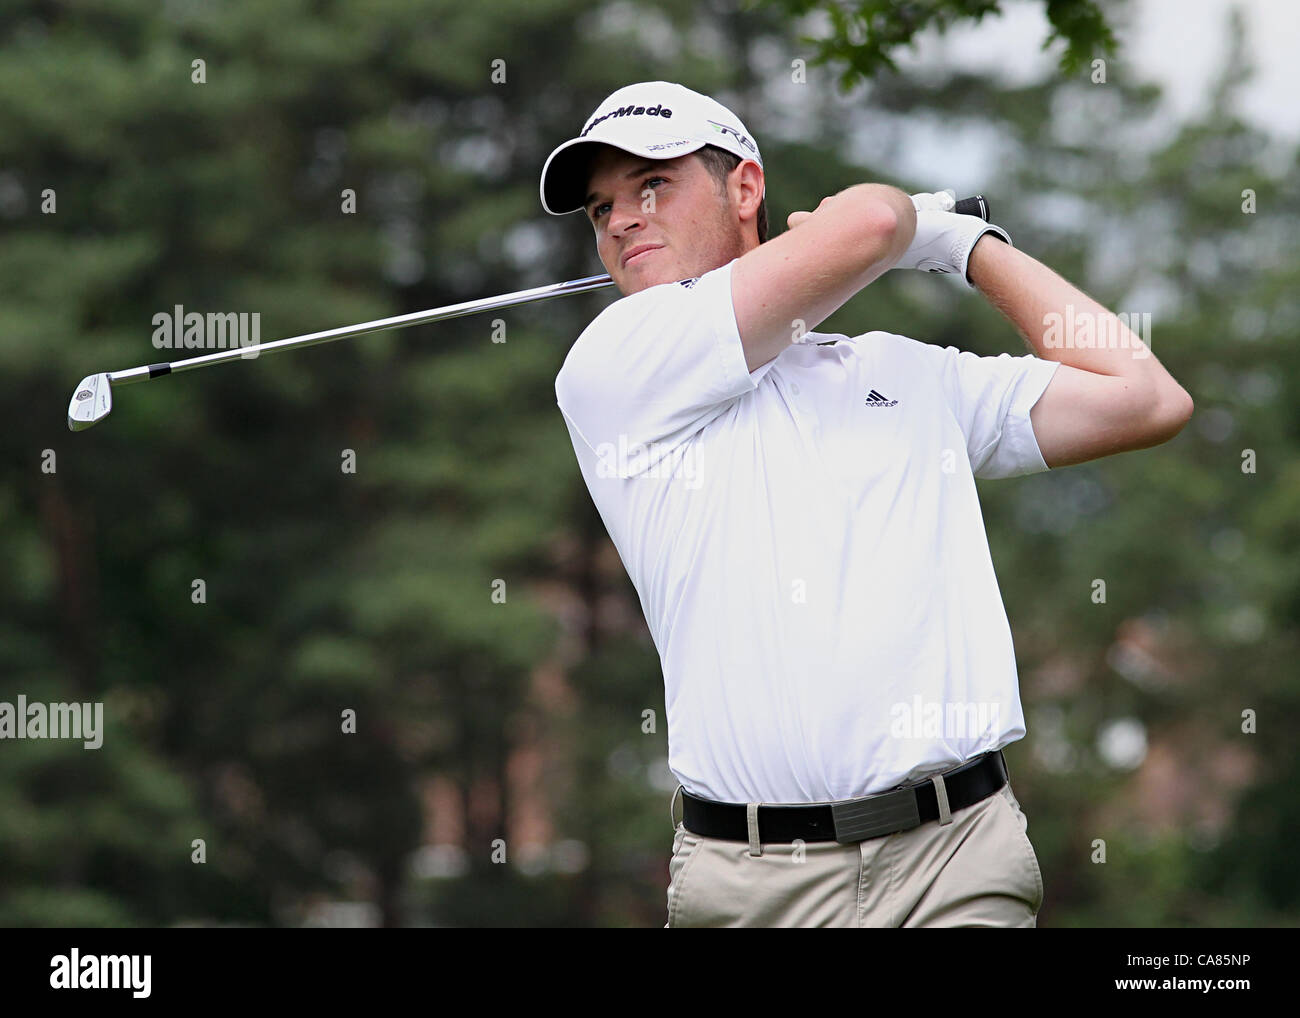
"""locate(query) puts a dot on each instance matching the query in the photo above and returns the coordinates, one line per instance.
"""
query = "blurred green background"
(372, 591)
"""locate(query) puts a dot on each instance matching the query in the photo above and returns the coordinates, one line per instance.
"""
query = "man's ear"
(748, 187)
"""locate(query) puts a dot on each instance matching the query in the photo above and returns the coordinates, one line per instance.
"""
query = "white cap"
(655, 119)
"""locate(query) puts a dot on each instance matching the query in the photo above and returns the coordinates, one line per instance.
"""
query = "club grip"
(973, 206)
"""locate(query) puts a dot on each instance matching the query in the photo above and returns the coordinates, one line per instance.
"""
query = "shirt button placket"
(803, 412)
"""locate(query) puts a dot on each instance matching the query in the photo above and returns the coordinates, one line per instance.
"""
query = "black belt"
(850, 820)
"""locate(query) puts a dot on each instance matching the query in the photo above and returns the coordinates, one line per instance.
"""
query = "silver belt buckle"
(858, 819)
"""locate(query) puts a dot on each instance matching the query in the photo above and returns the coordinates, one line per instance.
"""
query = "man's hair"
(719, 162)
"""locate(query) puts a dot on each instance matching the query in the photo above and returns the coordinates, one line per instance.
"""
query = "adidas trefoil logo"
(875, 399)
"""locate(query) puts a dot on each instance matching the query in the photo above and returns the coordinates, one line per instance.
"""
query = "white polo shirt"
(805, 539)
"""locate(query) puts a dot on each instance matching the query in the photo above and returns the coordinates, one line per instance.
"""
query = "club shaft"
(975, 205)
(147, 371)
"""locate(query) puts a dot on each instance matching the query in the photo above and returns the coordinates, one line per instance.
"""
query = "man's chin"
(634, 281)
(638, 284)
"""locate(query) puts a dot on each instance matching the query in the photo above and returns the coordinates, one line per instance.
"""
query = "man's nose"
(626, 215)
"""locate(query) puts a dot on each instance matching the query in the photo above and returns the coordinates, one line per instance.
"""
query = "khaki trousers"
(977, 870)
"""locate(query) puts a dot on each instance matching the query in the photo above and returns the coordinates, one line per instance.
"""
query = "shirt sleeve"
(654, 368)
(991, 398)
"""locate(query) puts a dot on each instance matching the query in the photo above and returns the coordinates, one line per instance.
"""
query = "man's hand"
(795, 218)
(938, 201)
(944, 239)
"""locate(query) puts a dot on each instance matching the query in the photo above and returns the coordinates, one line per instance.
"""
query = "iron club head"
(91, 402)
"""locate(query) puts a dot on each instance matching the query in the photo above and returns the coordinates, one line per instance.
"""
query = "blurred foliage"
(372, 592)
(863, 34)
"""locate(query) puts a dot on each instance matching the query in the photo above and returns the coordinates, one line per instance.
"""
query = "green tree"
(864, 34)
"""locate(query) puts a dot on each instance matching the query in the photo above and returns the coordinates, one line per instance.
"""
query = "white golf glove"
(944, 239)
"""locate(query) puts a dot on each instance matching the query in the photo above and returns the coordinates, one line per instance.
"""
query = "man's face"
(671, 204)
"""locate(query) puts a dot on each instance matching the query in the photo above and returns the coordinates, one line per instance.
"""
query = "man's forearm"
(1053, 315)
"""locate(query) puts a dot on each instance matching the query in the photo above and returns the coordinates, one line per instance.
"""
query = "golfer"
(798, 513)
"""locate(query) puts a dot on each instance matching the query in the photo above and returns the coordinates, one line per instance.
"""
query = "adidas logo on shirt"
(688, 283)
(875, 399)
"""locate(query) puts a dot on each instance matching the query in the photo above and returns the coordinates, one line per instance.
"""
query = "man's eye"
(595, 213)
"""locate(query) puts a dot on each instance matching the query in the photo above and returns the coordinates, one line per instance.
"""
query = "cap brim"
(564, 177)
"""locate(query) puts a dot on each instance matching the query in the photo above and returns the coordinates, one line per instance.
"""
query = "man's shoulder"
(630, 312)
(635, 306)
(679, 293)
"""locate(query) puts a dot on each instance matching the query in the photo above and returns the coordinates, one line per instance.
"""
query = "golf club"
(92, 400)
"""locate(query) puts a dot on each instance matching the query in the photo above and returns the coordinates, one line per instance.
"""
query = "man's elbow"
(1174, 409)
(896, 223)
(888, 221)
